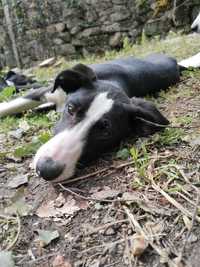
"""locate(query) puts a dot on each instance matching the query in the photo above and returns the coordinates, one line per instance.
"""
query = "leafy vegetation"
(7, 93)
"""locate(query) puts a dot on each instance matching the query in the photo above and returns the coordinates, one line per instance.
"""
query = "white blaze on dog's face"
(67, 146)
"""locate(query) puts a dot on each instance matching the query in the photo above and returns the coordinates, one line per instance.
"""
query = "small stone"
(115, 40)
(17, 134)
(66, 49)
(75, 30)
(57, 41)
(90, 32)
(65, 36)
(60, 27)
(49, 29)
(114, 27)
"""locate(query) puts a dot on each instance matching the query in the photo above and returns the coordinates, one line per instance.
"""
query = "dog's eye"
(71, 109)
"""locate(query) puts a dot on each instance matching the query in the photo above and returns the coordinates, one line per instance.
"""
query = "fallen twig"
(163, 253)
(107, 225)
(9, 247)
(194, 216)
(89, 175)
(174, 202)
(168, 125)
(40, 258)
(90, 198)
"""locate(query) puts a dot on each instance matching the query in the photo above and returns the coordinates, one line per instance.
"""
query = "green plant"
(126, 44)
(140, 157)
(123, 154)
(29, 149)
(7, 93)
(169, 136)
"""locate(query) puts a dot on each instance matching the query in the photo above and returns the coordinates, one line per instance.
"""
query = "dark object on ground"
(19, 81)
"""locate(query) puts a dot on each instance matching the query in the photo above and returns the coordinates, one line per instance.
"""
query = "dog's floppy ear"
(85, 71)
(72, 79)
(142, 113)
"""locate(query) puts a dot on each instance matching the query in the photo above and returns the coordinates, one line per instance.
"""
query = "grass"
(176, 45)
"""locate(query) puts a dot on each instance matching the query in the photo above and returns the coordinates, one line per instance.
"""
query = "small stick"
(7, 217)
(96, 173)
(90, 198)
(167, 126)
(107, 225)
(89, 175)
(103, 245)
(40, 258)
(186, 198)
(174, 202)
(194, 216)
(17, 235)
(136, 226)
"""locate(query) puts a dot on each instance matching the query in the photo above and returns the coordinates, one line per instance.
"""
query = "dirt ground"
(137, 206)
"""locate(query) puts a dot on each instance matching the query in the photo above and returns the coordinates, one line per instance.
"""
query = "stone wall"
(72, 28)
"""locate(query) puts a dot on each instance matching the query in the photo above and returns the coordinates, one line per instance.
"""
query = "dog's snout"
(49, 169)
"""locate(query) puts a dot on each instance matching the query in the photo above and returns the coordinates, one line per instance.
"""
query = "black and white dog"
(101, 106)
(102, 109)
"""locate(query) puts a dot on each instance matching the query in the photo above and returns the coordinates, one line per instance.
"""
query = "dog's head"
(96, 117)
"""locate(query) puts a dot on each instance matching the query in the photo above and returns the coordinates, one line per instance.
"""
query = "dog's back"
(139, 77)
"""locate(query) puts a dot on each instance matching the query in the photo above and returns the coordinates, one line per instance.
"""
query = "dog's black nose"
(49, 169)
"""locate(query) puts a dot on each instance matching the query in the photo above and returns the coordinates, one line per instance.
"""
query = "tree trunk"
(11, 32)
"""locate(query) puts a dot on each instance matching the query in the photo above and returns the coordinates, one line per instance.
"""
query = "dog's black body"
(123, 81)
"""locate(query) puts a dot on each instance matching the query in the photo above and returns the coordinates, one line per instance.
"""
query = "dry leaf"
(59, 261)
(45, 237)
(20, 207)
(18, 180)
(138, 244)
(51, 209)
